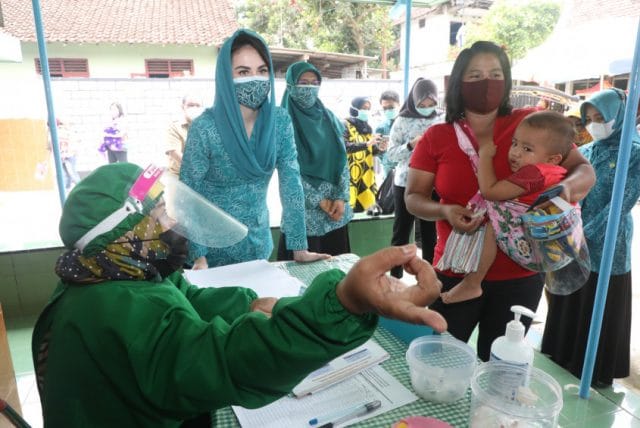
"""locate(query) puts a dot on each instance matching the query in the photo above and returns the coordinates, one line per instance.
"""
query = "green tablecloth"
(456, 414)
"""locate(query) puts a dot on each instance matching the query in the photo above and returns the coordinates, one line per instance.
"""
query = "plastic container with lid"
(536, 405)
(441, 367)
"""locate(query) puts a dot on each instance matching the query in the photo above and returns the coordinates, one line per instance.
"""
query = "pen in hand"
(329, 421)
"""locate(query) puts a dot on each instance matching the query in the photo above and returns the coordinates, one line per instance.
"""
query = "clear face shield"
(197, 219)
(176, 207)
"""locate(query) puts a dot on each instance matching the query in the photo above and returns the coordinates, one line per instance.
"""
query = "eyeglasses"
(309, 82)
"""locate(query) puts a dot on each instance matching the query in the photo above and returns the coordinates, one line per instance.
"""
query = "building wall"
(429, 44)
(113, 60)
(149, 104)
(429, 50)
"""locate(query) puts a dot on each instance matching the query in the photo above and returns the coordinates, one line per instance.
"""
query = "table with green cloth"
(456, 414)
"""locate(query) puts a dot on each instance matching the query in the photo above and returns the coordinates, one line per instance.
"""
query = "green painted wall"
(113, 60)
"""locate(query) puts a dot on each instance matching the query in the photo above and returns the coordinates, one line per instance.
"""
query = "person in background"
(323, 164)
(390, 105)
(569, 317)
(127, 341)
(543, 104)
(114, 140)
(233, 149)
(417, 114)
(68, 141)
(177, 132)
(477, 99)
(582, 135)
(362, 145)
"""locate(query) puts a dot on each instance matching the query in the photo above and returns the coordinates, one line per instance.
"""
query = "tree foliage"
(325, 25)
(519, 25)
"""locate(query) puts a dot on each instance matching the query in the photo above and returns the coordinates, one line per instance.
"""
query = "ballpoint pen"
(329, 421)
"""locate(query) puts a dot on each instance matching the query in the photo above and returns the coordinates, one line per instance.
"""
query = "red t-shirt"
(456, 182)
(535, 179)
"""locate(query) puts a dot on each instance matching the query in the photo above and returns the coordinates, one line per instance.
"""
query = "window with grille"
(164, 68)
(65, 67)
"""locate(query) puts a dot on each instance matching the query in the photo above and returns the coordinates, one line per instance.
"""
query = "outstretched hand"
(304, 256)
(368, 288)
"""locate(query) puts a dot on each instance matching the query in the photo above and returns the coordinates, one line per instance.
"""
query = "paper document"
(346, 365)
(259, 275)
(370, 385)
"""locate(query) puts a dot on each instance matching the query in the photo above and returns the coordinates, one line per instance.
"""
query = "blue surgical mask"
(363, 115)
(425, 111)
(305, 96)
(252, 91)
(391, 114)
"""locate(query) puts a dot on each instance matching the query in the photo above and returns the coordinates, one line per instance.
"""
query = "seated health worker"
(127, 341)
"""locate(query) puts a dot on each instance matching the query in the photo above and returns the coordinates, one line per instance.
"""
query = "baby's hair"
(560, 128)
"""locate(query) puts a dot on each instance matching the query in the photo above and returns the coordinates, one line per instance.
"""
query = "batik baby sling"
(544, 241)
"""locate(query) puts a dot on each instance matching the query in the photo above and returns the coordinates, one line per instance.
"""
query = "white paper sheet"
(259, 275)
(370, 385)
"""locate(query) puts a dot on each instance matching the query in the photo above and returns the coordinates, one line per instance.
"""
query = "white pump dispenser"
(512, 348)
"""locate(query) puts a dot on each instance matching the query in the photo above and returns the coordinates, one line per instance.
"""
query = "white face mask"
(600, 131)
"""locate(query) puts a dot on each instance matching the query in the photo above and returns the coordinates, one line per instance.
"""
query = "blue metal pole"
(628, 128)
(46, 79)
(407, 45)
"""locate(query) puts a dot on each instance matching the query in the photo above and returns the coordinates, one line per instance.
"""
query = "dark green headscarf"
(318, 133)
(256, 157)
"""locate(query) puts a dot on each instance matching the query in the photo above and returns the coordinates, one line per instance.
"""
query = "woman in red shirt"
(478, 99)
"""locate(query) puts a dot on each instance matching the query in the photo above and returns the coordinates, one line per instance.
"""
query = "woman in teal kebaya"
(569, 317)
(233, 149)
(323, 163)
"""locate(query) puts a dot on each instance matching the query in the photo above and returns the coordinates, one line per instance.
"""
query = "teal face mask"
(305, 96)
(425, 111)
(252, 91)
(363, 115)
(391, 114)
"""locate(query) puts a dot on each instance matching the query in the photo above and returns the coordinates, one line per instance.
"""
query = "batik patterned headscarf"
(128, 250)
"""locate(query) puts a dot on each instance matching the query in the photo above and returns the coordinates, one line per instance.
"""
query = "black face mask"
(178, 251)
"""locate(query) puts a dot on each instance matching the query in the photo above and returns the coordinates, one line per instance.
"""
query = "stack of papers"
(259, 275)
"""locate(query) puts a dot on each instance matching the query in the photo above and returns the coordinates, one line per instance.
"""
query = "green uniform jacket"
(144, 354)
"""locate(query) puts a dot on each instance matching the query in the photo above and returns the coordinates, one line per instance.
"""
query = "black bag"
(384, 198)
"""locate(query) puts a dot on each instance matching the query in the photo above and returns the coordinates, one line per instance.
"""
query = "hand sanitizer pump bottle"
(513, 350)
(512, 347)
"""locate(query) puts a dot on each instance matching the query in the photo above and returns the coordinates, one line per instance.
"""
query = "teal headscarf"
(253, 157)
(318, 133)
(611, 104)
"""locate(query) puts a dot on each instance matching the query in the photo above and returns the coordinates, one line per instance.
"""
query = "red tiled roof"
(198, 22)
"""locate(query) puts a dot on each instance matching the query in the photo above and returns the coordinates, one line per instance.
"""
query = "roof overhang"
(10, 50)
(330, 64)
